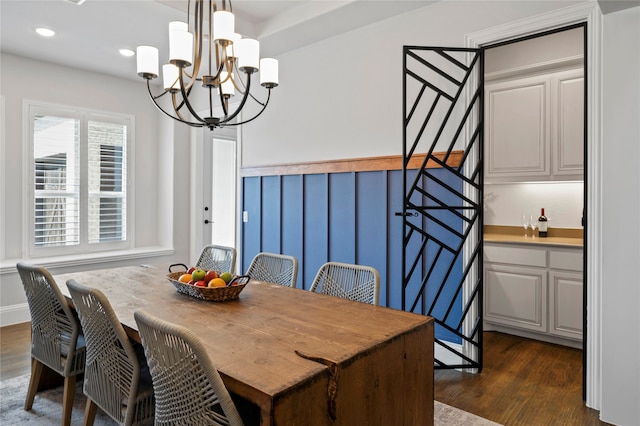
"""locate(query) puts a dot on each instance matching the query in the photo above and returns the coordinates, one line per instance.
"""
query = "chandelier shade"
(206, 50)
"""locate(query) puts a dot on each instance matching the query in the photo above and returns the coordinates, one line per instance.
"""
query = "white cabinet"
(516, 296)
(534, 291)
(565, 304)
(517, 131)
(534, 128)
(567, 129)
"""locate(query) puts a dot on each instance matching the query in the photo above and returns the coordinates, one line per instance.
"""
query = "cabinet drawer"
(570, 260)
(514, 255)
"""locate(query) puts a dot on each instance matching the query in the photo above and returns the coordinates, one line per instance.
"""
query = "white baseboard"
(14, 314)
(446, 356)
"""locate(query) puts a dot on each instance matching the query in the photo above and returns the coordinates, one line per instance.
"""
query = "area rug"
(47, 408)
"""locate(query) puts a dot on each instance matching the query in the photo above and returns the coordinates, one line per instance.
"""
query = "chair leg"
(90, 412)
(67, 399)
(36, 374)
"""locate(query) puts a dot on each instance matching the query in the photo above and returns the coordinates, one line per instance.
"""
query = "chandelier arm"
(243, 92)
(264, 106)
(165, 112)
(185, 99)
(244, 100)
(183, 102)
(257, 101)
(197, 23)
(158, 96)
(225, 105)
(210, 36)
(177, 108)
(235, 84)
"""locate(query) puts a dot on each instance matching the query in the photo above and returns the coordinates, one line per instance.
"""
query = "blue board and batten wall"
(323, 212)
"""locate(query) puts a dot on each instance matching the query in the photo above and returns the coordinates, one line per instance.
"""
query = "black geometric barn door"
(443, 202)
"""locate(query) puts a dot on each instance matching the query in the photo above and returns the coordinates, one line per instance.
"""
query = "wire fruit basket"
(213, 294)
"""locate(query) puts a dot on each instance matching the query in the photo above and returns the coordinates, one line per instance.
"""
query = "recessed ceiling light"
(127, 52)
(45, 32)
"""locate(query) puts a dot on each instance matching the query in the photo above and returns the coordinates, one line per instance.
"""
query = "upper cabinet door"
(534, 128)
(567, 133)
(517, 128)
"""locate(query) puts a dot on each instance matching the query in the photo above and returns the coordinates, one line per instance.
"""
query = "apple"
(210, 275)
(190, 271)
(198, 274)
(201, 283)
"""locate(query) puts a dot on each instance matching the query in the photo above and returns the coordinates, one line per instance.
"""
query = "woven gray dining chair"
(348, 281)
(217, 258)
(56, 336)
(116, 377)
(188, 388)
(274, 268)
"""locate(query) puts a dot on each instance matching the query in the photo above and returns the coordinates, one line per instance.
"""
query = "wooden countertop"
(515, 235)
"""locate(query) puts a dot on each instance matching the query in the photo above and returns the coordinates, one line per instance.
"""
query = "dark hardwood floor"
(523, 382)
(15, 350)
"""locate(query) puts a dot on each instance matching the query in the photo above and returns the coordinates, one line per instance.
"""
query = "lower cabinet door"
(516, 296)
(565, 304)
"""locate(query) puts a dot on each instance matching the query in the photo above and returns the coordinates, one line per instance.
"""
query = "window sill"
(8, 266)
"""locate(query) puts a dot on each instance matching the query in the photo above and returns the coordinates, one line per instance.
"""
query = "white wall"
(25, 79)
(562, 203)
(621, 227)
(160, 194)
(342, 97)
(552, 47)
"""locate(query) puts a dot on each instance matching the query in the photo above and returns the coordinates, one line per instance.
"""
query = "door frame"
(200, 177)
(590, 14)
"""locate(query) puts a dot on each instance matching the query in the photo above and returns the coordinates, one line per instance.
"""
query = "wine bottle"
(542, 224)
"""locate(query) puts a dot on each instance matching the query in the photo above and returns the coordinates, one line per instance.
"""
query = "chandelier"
(208, 53)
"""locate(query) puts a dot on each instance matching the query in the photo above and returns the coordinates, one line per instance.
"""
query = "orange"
(185, 278)
(217, 282)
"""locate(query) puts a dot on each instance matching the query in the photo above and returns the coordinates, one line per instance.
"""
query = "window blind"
(56, 143)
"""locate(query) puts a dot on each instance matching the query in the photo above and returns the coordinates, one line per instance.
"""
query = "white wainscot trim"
(98, 260)
(14, 314)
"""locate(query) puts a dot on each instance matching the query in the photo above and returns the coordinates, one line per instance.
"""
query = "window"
(80, 170)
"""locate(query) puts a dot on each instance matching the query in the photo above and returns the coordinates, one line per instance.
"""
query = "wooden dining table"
(298, 357)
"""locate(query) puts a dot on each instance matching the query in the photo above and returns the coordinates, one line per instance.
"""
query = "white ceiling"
(88, 36)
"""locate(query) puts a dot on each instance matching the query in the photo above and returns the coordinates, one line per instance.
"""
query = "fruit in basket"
(211, 274)
(190, 271)
(198, 275)
(226, 276)
(185, 278)
(201, 283)
(217, 282)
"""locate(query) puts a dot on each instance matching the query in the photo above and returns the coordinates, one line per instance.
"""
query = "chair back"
(274, 268)
(348, 281)
(217, 258)
(187, 386)
(112, 377)
(54, 328)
